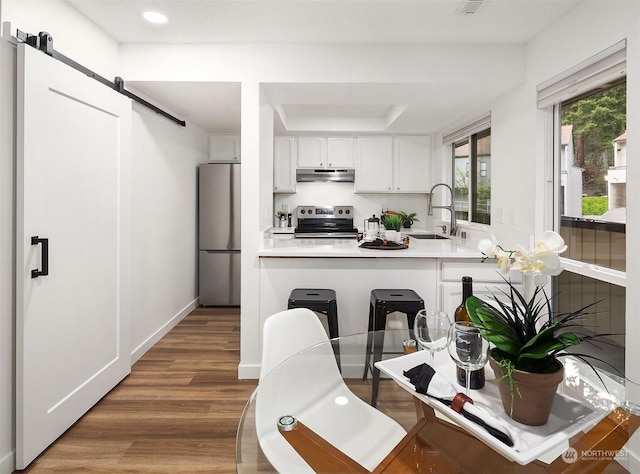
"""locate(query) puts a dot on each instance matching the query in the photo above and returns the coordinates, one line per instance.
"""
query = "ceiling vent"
(469, 7)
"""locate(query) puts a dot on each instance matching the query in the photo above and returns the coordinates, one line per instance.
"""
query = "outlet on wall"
(496, 215)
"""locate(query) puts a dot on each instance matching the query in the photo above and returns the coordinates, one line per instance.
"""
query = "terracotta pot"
(532, 405)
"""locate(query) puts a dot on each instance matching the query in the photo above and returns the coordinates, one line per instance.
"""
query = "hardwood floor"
(178, 410)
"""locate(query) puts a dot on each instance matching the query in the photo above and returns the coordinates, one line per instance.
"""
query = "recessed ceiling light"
(155, 17)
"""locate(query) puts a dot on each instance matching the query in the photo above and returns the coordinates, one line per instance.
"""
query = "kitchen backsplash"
(365, 205)
(335, 194)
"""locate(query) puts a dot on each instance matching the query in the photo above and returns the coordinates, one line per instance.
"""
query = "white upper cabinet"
(224, 147)
(285, 155)
(340, 152)
(411, 164)
(374, 164)
(312, 152)
(398, 164)
(323, 152)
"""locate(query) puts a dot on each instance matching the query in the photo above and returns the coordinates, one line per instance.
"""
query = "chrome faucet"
(453, 227)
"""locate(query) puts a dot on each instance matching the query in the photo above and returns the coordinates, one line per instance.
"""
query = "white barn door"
(73, 188)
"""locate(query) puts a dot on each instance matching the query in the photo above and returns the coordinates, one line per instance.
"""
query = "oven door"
(329, 228)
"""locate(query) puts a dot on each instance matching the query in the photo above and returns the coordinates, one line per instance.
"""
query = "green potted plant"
(407, 219)
(282, 218)
(392, 225)
(527, 336)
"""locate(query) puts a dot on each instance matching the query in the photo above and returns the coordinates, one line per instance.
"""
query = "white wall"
(73, 35)
(519, 179)
(164, 169)
(424, 64)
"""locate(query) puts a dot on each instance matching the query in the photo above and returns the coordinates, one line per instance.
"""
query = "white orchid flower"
(551, 241)
(488, 246)
(540, 261)
(540, 279)
(504, 264)
(550, 263)
(547, 248)
(491, 249)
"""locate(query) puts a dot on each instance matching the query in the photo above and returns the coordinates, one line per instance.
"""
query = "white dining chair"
(309, 386)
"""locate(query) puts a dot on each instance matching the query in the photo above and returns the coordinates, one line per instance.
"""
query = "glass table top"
(334, 400)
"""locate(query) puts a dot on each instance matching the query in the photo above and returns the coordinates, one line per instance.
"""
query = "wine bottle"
(461, 314)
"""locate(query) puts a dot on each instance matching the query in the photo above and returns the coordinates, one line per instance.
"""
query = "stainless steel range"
(325, 221)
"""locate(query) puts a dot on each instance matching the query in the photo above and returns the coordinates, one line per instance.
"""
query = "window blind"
(606, 66)
(469, 129)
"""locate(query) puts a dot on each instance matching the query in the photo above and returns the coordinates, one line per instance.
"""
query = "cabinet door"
(284, 164)
(340, 152)
(451, 294)
(412, 164)
(374, 165)
(224, 147)
(312, 152)
(486, 282)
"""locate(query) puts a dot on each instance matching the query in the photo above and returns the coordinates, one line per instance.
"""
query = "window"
(472, 177)
(588, 106)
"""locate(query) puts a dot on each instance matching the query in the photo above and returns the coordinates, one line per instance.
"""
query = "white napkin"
(428, 382)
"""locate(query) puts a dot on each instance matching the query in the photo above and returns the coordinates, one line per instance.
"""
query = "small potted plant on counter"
(407, 219)
(392, 225)
(282, 218)
(527, 335)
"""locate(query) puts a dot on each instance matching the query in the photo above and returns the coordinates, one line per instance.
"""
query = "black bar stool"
(321, 301)
(383, 302)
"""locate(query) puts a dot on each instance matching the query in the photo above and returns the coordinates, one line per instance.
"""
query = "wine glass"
(468, 349)
(431, 328)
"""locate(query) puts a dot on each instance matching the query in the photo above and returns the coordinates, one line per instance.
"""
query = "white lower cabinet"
(487, 281)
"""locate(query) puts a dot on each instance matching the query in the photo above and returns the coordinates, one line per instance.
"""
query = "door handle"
(35, 240)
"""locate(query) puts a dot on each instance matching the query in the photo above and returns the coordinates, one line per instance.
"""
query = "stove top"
(325, 221)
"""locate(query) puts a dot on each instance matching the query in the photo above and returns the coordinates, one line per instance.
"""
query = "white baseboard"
(8, 463)
(160, 333)
(248, 371)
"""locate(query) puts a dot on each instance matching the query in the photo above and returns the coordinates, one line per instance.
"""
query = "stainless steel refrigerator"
(219, 234)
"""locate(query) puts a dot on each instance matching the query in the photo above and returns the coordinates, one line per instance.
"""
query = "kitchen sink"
(427, 236)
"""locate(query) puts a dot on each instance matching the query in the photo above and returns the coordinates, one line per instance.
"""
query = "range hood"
(336, 175)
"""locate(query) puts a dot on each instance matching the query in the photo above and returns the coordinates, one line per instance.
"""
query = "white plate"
(568, 416)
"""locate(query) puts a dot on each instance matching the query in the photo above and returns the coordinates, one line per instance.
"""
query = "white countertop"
(349, 248)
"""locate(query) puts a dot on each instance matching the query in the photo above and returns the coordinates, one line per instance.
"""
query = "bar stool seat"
(320, 300)
(382, 303)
